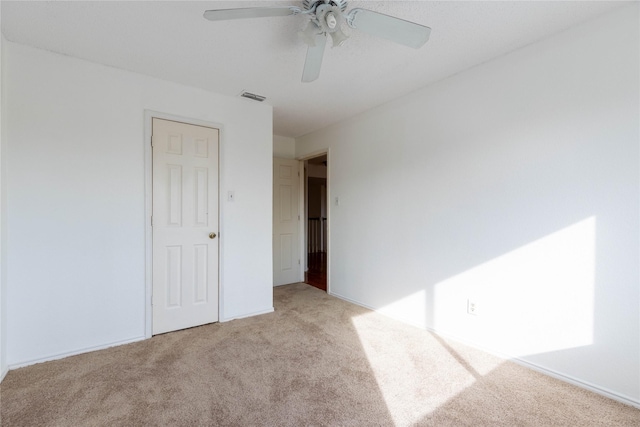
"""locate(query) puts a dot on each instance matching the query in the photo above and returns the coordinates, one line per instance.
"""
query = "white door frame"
(148, 210)
(303, 236)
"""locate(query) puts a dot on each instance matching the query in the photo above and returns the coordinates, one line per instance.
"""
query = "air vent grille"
(253, 96)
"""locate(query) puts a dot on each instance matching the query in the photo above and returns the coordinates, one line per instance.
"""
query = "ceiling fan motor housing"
(325, 19)
(310, 4)
(329, 18)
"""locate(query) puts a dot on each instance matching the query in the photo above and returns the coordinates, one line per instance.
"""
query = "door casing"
(303, 209)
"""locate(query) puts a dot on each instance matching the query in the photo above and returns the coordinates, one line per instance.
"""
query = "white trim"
(302, 225)
(313, 154)
(329, 216)
(303, 246)
(352, 301)
(3, 374)
(569, 379)
(148, 209)
(148, 232)
(255, 313)
(515, 359)
(74, 353)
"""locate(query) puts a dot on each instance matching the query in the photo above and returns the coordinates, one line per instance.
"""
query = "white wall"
(75, 201)
(284, 147)
(514, 184)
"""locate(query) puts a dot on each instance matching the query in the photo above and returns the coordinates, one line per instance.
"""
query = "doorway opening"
(315, 175)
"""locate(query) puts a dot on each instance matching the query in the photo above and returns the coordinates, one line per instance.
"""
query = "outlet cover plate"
(472, 307)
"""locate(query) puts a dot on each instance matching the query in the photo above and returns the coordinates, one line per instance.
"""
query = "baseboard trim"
(244, 316)
(352, 301)
(522, 362)
(3, 374)
(73, 353)
(577, 382)
(543, 370)
(113, 344)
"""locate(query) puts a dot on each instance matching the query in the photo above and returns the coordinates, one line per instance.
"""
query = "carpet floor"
(316, 360)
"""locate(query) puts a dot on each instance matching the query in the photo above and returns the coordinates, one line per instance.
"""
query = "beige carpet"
(316, 360)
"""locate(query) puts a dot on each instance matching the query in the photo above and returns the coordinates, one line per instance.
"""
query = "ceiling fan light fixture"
(331, 20)
(328, 18)
(338, 38)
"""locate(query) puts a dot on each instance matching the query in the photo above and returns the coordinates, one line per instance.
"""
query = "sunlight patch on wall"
(534, 299)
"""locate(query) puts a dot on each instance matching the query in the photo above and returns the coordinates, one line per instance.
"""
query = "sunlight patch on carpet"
(415, 375)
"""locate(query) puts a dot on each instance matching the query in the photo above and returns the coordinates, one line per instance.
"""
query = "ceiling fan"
(326, 18)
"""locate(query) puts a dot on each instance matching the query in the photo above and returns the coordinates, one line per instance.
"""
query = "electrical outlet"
(472, 307)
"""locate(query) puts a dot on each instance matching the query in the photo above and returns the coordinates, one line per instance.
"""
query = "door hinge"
(152, 138)
(152, 220)
(298, 262)
(151, 299)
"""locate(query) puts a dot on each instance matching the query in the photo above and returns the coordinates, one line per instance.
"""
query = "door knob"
(212, 235)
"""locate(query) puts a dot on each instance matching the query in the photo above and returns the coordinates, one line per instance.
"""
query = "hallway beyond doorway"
(316, 275)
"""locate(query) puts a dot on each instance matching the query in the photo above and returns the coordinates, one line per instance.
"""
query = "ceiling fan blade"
(389, 27)
(313, 61)
(250, 12)
(309, 34)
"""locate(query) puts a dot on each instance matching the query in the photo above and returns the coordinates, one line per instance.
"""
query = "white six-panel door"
(286, 262)
(185, 224)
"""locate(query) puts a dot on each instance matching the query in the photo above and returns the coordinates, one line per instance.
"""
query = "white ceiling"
(172, 41)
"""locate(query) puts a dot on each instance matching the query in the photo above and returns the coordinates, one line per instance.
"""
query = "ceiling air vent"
(253, 96)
